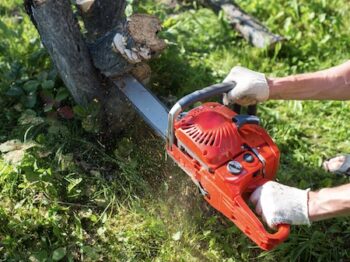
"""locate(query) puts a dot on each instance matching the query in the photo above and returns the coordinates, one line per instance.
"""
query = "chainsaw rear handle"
(251, 225)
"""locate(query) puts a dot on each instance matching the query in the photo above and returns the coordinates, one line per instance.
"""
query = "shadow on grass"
(173, 74)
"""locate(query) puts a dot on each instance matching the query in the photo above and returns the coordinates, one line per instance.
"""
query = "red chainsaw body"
(206, 141)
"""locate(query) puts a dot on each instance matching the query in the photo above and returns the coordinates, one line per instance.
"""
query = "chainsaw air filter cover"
(228, 156)
(209, 135)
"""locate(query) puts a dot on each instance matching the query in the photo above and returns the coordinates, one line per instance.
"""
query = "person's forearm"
(329, 202)
(332, 83)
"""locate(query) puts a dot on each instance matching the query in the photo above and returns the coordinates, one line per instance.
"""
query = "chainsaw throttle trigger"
(241, 120)
(251, 110)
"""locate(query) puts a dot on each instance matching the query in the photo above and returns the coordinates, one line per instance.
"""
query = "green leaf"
(58, 129)
(30, 175)
(73, 183)
(30, 100)
(52, 74)
(29, 117)
(6, 30)
(90, 252)
(48, 107)
(47, 95)
(59, 253)
(62, 94)
(15, 91)
(31, 86)
(48, 84)
(42, 76)
(94, 108)
(90, 124)
(40, 256)
(80, 111)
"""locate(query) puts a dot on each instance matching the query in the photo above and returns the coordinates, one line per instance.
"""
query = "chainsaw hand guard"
(227, 159)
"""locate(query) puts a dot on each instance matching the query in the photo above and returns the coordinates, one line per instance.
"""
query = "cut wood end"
(134, 55)
(143, 29)
(142, 72)
(85, 5)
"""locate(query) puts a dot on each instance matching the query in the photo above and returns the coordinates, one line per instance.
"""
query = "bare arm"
(329, 202)
(332, 84)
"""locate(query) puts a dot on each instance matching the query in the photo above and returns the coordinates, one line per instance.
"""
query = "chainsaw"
(226, 154)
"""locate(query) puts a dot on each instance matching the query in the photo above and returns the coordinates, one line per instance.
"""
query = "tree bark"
(249, 27)
(61, 36)
(101, 16)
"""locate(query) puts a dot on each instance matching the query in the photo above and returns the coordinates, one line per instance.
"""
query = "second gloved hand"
(280, 204)
(251, 87)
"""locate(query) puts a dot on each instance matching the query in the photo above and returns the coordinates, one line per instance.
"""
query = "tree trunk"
(112, 47)
(61, 36)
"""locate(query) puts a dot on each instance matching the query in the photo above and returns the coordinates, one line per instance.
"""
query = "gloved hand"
(251, 87)
(280, 204)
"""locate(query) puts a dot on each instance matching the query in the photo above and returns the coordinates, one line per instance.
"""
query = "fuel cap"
(234, 167)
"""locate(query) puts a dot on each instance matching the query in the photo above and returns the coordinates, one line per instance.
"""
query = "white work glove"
(251, 87)
(280, 204)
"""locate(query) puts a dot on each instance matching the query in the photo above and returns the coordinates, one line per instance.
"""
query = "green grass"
(73, 198)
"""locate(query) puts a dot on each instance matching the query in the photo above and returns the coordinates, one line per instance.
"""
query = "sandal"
(339, 165)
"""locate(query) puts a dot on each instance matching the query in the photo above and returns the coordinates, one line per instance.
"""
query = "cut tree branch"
(250, 28)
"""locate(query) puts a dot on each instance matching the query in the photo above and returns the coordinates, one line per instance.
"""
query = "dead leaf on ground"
(14, 150)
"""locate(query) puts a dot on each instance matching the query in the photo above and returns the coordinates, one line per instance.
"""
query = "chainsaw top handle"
(190, 99)
(205, 93)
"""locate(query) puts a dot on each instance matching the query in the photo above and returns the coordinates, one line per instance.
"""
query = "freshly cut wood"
(130, 43)
(249, 27)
